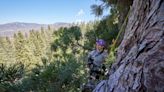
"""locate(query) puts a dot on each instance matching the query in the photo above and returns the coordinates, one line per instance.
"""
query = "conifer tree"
(6, 50)
(22, 51)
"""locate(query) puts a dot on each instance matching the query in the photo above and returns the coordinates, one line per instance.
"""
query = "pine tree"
(3, 51)
(22, 51)
(6, 50)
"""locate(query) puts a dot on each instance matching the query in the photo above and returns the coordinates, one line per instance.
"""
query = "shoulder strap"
(99, 53)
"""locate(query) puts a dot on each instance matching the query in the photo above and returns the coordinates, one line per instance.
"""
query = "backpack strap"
(99, 53)
(91, 60)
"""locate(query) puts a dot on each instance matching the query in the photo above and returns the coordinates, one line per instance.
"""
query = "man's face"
(99, 47)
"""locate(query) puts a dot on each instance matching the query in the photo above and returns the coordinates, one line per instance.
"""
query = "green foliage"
(66, 38)
(57, 76)
(6, 50)
(64, 73)
(10, 74)
(105, 29)
(97, 10)
(121, 8)
(20, 54)
(59, 66)
(23, 53)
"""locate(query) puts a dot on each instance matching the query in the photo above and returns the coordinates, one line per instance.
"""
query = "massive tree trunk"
(140, 58)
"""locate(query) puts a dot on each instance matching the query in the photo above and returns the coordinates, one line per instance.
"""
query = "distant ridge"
(9, 29)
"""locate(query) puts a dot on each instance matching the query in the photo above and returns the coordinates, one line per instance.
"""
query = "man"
(96, 59)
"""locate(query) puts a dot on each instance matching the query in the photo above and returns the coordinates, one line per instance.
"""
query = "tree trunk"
(140, 58)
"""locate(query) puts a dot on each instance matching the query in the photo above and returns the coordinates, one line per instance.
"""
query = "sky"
(46, 11)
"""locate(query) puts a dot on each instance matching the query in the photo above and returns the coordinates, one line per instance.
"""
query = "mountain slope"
(10, 28)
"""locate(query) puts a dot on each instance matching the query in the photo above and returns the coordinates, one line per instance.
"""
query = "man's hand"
(90, 59)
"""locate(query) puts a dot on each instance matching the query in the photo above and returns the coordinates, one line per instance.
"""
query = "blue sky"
(46, 11)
